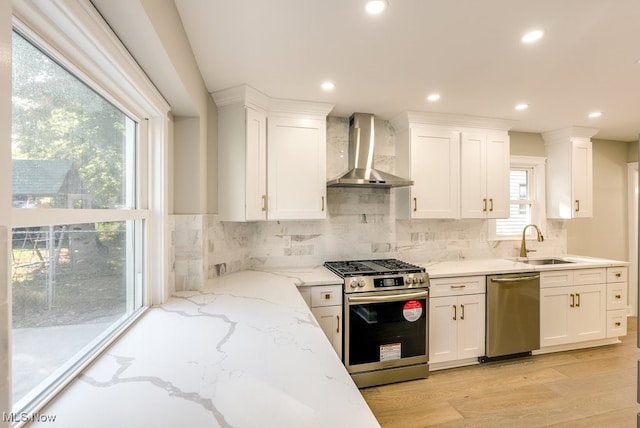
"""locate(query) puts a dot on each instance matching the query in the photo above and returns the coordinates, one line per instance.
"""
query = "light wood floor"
(593, 387)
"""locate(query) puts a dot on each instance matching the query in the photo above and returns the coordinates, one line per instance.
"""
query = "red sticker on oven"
(412, 310)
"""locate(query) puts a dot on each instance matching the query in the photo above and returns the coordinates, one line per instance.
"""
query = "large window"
(526, 194)
(78, 231)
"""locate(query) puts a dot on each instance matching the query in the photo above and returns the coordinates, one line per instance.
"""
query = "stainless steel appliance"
(513, 315)
(386, 320)
(361, 172)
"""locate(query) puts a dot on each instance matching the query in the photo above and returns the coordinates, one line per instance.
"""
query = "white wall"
(152, 31)
(606, 233)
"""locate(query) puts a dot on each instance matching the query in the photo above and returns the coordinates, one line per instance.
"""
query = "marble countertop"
(243, 352)
(497, 266)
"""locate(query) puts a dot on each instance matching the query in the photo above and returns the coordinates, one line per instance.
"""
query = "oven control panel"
(357, 284)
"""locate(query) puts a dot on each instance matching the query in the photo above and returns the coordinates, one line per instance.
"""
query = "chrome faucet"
(523, 245)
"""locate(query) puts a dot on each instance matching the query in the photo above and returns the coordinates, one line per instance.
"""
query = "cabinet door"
(330, 320)
(256, 169)
(296, 168)
(473, 177)
(435, 171)
(588, 316)
(582, 178)
(471, 326)
(443, 324)
(497, 169)
(554, 316)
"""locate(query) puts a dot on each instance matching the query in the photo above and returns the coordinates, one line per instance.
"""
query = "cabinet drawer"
(589, 276)
(617, 274)
(617, 295)
(457, 286)
(617, 323)
(326, 295)
(556, 278)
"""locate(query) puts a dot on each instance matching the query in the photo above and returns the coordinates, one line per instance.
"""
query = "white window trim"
(75, 34)
(538, 189)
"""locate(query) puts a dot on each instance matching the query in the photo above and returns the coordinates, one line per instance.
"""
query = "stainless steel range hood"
(361, 172)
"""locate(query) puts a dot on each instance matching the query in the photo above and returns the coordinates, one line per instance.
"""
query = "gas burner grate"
(372, 267)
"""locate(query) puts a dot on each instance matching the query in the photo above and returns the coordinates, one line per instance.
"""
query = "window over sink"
(527, 199)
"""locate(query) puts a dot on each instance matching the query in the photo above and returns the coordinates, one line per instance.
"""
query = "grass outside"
(89, 282)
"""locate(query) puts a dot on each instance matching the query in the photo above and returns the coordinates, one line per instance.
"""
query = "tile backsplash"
(360, 224)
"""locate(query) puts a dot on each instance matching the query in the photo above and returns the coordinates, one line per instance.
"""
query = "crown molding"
(408, 118)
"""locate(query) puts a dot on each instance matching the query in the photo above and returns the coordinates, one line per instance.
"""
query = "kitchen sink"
(546, 261)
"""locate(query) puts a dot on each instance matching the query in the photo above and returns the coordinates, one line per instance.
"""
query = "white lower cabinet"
(572, 314)
(325, 302)
(456, 321)
(330, 320)
(581, 305)
(617, 292)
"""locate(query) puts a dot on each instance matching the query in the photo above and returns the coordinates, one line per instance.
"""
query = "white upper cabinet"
(242, 154)
(569, 172)
(271, 157)
(459, 164)
(484, 172)
(297, 167)
(430, 155)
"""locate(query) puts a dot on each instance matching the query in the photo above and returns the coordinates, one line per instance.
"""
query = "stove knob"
(421, 280)
(353, 283)
(409, 280)
(361, 283)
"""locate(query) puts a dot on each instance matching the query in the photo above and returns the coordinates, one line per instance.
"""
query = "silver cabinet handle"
(264, 202)
(415, 204)
(516, 278)
(577, 205)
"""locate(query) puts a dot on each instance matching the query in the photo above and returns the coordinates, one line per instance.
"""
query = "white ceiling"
(467, 50)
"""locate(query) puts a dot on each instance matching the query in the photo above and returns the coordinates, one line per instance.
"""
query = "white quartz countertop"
(243, 352)
(498, 266)
(307, 276)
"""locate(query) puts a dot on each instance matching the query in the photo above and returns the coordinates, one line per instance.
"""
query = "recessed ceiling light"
(375, 7)
(595, 114)
(532, 36)
(328, 86)
(522, 106)
(433, 97)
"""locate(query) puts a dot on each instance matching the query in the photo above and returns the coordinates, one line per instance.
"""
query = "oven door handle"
(388, 298)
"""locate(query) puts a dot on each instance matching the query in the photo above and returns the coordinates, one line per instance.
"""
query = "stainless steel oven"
(386, 320)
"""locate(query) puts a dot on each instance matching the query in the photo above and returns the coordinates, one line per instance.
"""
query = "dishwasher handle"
(516, 278)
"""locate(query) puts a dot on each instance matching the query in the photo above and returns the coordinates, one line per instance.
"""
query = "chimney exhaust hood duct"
(361, 172)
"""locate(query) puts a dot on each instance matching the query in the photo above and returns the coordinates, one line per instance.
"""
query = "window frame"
(76, 35)
(538, 208)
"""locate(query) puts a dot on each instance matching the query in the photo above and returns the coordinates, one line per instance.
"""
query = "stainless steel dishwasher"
(513, 315)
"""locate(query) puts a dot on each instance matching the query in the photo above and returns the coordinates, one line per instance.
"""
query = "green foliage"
(56, 116)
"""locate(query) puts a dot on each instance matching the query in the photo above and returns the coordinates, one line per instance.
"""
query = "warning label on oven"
(412, 310)
(390, 352)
